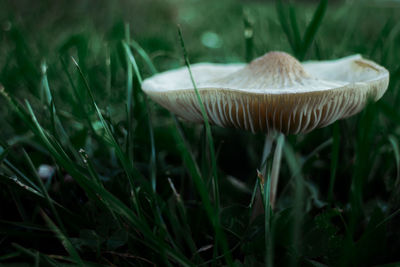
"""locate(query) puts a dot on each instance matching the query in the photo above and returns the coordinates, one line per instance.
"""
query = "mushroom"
(274, 92)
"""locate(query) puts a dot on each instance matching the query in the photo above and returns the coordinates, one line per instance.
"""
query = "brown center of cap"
(274, 70)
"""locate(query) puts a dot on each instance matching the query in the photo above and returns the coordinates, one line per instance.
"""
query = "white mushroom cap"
(273, 92)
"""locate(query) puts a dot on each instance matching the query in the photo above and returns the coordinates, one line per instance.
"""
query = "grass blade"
(206, 123)
(269, 256)
(64, 240)
(284, 24)
(334, 160)
(395, 145)
(312, 28)
(295, 27)
(44, 190)
(152, 165)
(129, 101)
(298, 201)
(219, 233)
(129, 169)
(201, 187)
(144, 55)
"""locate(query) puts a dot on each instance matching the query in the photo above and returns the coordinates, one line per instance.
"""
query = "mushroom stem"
(270, 139)
(279, 138)
(276, 165)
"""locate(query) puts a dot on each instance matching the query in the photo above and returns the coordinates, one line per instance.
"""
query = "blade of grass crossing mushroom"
(298, 201)
(201, 187)
(64, 240)
(219, 233)
(129, 169)
(334, 159)
(206, 123)
(312, 28)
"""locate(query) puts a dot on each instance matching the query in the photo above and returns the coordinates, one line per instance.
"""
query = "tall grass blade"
(312, 28)
(206, 123)
(144, 55)
(295, 28)
(129, 169)
(152, 165)
(129, 101)
(201, 187)
(220, 234)
(269, 252)
(364, 154)
(395, 145)
(334, 159)
(81, 104)
(298, 201)
(284, 24)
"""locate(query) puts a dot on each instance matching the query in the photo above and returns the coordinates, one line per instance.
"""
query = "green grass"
(132, 185)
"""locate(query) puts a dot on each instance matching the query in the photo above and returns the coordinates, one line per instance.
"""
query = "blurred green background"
(347, 179)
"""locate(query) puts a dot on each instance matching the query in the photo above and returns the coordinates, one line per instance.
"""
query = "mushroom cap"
(273, 92)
